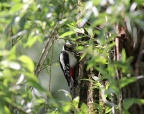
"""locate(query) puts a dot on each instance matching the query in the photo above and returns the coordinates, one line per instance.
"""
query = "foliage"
(23, 23)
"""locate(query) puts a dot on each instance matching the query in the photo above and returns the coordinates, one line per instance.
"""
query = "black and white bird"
(68, 62)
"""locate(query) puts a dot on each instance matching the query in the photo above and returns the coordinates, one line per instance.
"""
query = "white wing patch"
(61, 60)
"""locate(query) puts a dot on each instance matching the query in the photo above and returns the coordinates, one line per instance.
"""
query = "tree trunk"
(124, 41)
(88, 94)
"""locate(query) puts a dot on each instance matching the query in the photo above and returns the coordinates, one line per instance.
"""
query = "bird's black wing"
(64, 63)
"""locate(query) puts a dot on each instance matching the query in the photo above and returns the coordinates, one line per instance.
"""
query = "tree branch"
(44, 53)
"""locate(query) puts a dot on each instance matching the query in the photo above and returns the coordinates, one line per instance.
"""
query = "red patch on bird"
(71, 72)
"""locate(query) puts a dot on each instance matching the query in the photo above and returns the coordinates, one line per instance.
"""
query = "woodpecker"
(68, 62)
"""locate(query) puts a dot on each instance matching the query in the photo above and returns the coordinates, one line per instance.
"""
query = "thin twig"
(44, 53)
(17, 40)
(47, 66)
(97, 28)
(50, 65)
(44, 59)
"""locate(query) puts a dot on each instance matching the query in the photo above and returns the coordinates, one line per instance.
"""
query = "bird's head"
(68, 46)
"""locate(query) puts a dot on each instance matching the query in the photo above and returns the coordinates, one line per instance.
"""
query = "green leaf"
(81, 30)
(125, 81)
(7, 110)
(32, 39)
(84, 108)
(28, 62)
(123, 55)
(80, 48)
(108, 110)
(129, 102)
(76, 101)
(83, 55)
(16, 7)
(1, 57)
(67, 107)
(47, 61)
(14, 65)
(67, 34)
(66, 93)
(36, 85)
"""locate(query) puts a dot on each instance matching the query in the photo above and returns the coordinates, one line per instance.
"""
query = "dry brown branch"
(45, 52)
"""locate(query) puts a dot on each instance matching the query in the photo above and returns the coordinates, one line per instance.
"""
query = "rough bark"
(124, 41)
(88, 94)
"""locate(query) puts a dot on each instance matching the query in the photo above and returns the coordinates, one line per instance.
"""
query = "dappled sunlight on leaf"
(20, 79)
(28, 62)
(27, 26)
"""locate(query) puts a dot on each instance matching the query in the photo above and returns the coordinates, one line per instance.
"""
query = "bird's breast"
(73, 60)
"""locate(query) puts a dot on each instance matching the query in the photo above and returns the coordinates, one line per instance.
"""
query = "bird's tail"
(71, 82)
